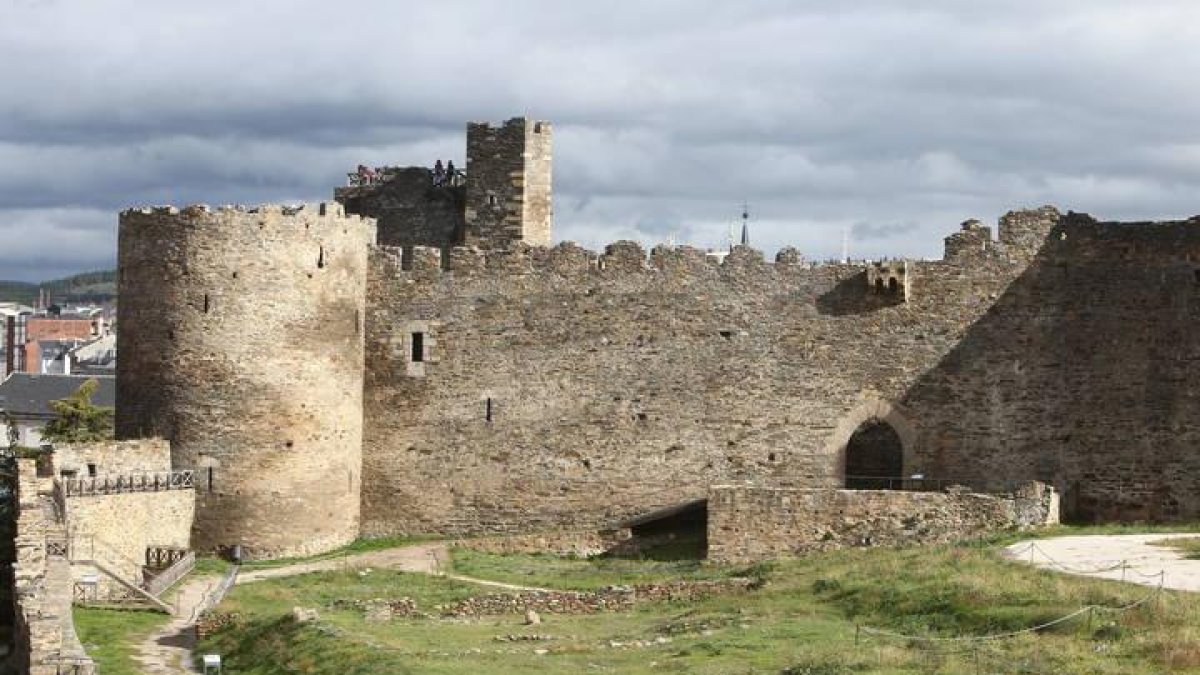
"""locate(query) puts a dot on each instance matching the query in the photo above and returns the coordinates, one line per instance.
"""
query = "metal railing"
(122, 483)
(381, 175)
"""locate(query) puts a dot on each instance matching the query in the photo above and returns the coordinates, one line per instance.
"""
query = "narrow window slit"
(418, 347)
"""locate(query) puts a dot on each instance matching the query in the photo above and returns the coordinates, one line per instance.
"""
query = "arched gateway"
(873, 442)
(874, 457)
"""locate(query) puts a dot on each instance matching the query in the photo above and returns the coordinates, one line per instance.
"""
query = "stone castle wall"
(619, 384)
(149, 455)
(748, 523)
(241, 343)
(508, 195)
(44, 639)
(1079, 373)
(409, 209)
(116, 530)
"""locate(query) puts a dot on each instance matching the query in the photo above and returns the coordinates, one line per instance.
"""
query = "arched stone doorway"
(874, 454)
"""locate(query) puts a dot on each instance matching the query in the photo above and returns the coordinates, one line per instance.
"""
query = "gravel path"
(1130, 556)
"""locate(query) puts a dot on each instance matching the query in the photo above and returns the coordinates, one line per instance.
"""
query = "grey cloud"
(861, 231)
(874, 116)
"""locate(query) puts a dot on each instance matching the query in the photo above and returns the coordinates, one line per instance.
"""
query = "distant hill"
(88, 287)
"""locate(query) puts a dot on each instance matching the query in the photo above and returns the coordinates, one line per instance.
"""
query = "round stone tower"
(241, 340)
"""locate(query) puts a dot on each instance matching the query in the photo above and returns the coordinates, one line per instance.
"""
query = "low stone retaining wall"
(607, 599)
(748, 523)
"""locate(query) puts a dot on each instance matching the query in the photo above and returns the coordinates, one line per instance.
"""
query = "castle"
(417, 357)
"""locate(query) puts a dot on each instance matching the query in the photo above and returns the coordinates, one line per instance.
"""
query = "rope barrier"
(1122, 564)
(1002, 636)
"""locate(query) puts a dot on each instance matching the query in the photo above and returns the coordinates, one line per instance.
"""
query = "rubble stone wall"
(619, 384)
(409, 209)
(750, 523)
(116, 529)
(569, 390)
(42, 589)
(151, 455)
(241, 343)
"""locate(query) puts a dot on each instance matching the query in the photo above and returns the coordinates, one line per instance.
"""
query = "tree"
(78, 420)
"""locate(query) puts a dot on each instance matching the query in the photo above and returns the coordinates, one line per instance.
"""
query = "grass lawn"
(803, 620)
(111, 636)
(1188, 546)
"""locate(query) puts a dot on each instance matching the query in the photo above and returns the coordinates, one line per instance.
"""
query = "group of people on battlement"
(365, 175)
(446, 176)
(443, 176)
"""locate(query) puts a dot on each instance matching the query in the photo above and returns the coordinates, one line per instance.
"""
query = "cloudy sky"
(892, 121)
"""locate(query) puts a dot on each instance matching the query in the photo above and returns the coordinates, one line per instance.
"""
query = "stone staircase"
(107, 559)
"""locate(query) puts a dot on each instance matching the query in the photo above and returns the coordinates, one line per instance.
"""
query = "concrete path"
(1127, 557)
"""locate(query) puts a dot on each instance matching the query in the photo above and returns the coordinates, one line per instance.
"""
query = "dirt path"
(427, 558)
(169, 649)
(1127, 557)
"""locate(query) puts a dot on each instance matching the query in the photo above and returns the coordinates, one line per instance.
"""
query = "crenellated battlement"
(299, 213)
(626, 258)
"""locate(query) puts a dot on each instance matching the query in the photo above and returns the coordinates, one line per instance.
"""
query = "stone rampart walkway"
(1122, 557)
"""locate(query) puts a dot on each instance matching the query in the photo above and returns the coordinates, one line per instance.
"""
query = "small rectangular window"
(418, 347)
(92, 470)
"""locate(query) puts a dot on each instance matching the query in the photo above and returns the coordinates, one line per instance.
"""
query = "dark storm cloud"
(889, 121)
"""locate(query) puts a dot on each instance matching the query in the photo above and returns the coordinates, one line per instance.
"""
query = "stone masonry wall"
(618, 384)
(508, 195)
(44, 635)
(241, 343)
(116, 529)
(750, 523)
(1079, 373)
(112, 457)
(409, 209)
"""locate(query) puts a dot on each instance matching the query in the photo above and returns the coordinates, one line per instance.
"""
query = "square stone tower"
(508, 196)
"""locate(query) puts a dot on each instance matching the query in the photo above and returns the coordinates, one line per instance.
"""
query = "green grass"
(803, 620)
(1188, 546)
(210, 566)
(111, 636)
(548, 571)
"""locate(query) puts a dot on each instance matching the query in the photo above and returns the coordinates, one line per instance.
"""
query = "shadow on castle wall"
(1078, 375)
